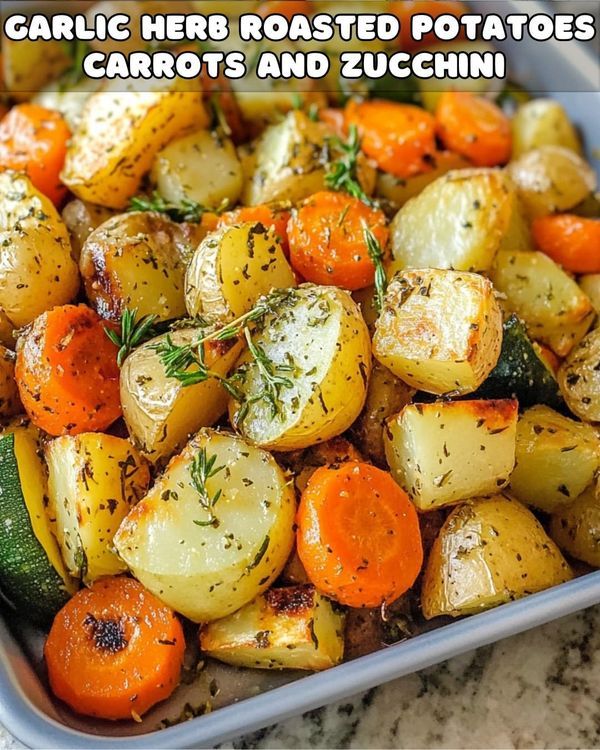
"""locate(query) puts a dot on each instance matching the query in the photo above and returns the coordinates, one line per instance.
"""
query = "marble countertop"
(540, 689)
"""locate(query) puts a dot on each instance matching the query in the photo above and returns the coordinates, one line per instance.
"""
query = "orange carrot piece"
(114, 650)
(67, 373)
(287, 8)
(358, 535)
(334, 118)
(474, 127)
(570, 240)
(327, 242)
(404, 10)
(400, 138)
(34, 140)
(275, 215)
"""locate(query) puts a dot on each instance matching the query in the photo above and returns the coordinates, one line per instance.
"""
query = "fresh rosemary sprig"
(342, 174)
(187, 210)
(201, 470)
(377, 256)
(133, 333)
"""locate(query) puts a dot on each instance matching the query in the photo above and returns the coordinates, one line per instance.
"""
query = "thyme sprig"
(186, 210)
(377, 256)
(343, 172)
(133, 333)
(201, 470)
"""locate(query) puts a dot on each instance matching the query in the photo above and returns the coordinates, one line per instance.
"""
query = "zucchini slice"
(33, 577)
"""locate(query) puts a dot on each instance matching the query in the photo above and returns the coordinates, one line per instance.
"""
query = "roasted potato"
(457, 222)
(201, 167)
(69, 102)
(206, 560)
(160, 412)
(10, 403)
(555, 309)
(316, 342)
(37, 271)
(291, 160)
(542, 122)
(489, 551)
(93, 482)
(303, 464)
(28, 65)
(81, 219)
(445, 452)
(551, 179)
(119, 134)
(590, 285)
(386, 395)
(556, 459)
(232, 268)
(579, 378)
(575, 527)
(439, 331)
(137, 260)
(284, 628)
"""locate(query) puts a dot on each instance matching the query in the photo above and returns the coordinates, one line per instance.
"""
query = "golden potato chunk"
(543, 122)
(10, 403)
(579, 378)
(576, 527)
(439, 331)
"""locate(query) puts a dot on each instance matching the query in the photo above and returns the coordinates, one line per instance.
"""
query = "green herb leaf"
(187, 210)
(342, 175)
(201, 470)
(133, 333)
(376, 254)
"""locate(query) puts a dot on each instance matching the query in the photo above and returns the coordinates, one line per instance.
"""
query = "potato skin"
(118, 136)
(576, 527)
(10, 403)
(81, 219)
(160, 412)
(37, 271)
(319, 332)
(206, 572)
(579, 378)
(489, 551)
(137, 260)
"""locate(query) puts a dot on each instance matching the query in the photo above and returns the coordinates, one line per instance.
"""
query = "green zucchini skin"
(28, 580)
(520, 373)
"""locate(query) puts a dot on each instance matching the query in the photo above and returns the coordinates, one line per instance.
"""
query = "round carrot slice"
(400, 138)
(67, 372)
(570, 240)
(114, 650)
(358, 535)
(474, 127)
(34, 139)
(327, 240)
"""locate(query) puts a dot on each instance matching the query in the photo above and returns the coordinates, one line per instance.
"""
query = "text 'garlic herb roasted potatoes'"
(439, 331)
(221, 523)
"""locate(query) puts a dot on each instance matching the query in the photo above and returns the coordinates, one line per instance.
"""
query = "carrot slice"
(270, 215)
(334, 118)
(34, 139)
(400, 138)
(287, 8)
(474, 127)
(404, 10)
(327, 243)
(67, 372)
(570, 240)
(114, 650)
(358, 535)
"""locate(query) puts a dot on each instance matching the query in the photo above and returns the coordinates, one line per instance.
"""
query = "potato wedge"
(93, 482)
(317, 340)
(551, 179)
(205, 569)
(445, 452)
(119, 134)
(160, 412)
(556, 459)
(284, 628)
(137, 260)
(543, 122)
(439, 331)
(81, 219)
(201, 167)
(555, 309)
(10, 403)
(232, 268)
(575, 527)
(28, 65)
(579, 378)
(386, 395)
(489, 551)
(457, 222)
(37, 271)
